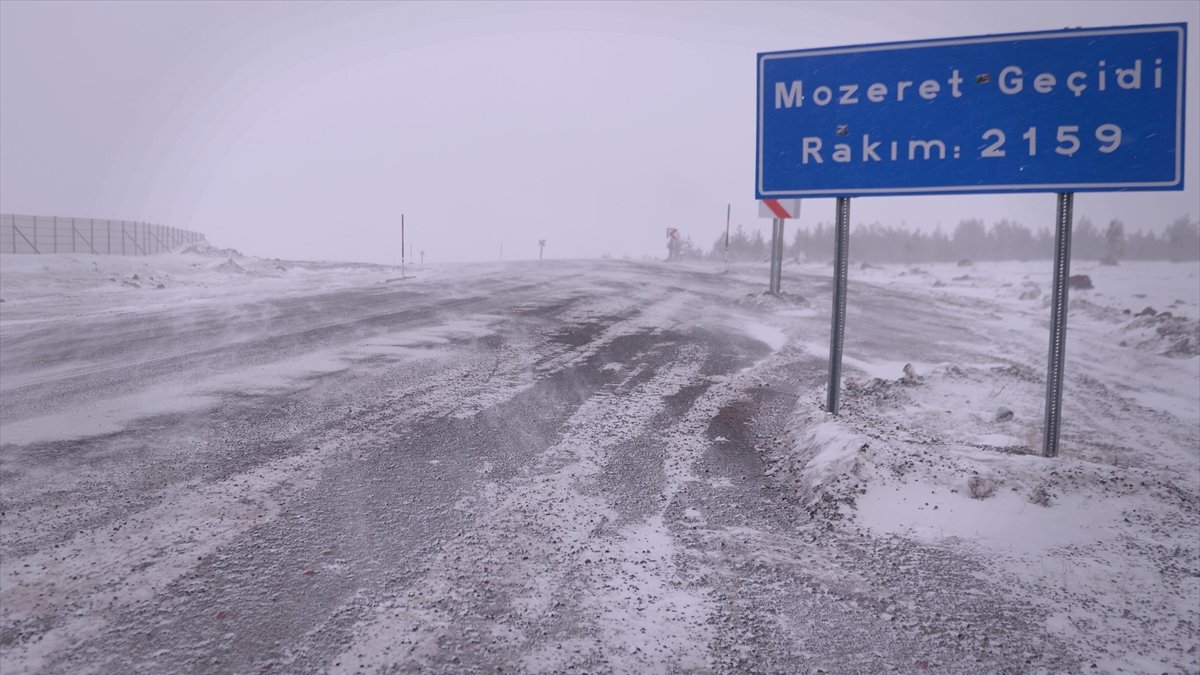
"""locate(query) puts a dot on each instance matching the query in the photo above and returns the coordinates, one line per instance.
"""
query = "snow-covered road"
(595, 466)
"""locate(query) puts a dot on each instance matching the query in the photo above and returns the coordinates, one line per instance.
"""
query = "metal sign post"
(541, 247)
(1058, 324)
(778, 210)
(837, 331)
(401, 246)
(773, 281)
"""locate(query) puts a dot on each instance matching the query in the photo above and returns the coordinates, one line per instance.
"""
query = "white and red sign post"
(778, 210)
(672, 243)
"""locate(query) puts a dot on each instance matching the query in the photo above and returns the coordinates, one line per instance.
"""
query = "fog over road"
(555, 467)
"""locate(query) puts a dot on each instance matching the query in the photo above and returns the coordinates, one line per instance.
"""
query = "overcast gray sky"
(304, 130)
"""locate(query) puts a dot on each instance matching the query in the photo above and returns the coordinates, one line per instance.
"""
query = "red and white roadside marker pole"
(778, 210)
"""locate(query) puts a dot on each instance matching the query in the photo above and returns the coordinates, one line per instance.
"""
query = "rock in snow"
(1081, 282)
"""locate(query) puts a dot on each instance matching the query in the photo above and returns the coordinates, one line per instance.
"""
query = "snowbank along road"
(581, 466)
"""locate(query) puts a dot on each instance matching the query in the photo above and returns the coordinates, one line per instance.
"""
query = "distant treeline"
(971, 239)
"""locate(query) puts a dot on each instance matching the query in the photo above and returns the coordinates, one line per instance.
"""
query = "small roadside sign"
(779, 208)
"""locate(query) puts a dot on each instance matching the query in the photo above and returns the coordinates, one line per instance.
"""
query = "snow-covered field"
(217, 463)
(1107, 537)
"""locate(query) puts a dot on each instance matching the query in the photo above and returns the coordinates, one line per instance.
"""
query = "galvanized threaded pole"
(779, 253)
(837, 332)
(771, 274)
(1058, 324)
(777, 257)
(774, 243)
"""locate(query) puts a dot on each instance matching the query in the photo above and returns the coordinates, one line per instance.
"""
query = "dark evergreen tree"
(1114, 241)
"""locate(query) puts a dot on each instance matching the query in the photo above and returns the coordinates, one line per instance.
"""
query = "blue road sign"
(1077, 110)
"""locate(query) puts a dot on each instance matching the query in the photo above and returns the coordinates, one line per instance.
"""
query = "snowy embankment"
(68, 293)
(57, 280)
(1106, 538)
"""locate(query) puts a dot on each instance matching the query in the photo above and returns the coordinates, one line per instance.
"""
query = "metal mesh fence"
(93, 236)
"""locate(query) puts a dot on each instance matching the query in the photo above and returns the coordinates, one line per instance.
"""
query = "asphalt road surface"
(556, 468)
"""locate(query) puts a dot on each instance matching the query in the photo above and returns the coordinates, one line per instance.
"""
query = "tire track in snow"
(654, 600)
(81, 584)
(138, 556)
(529, 541)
